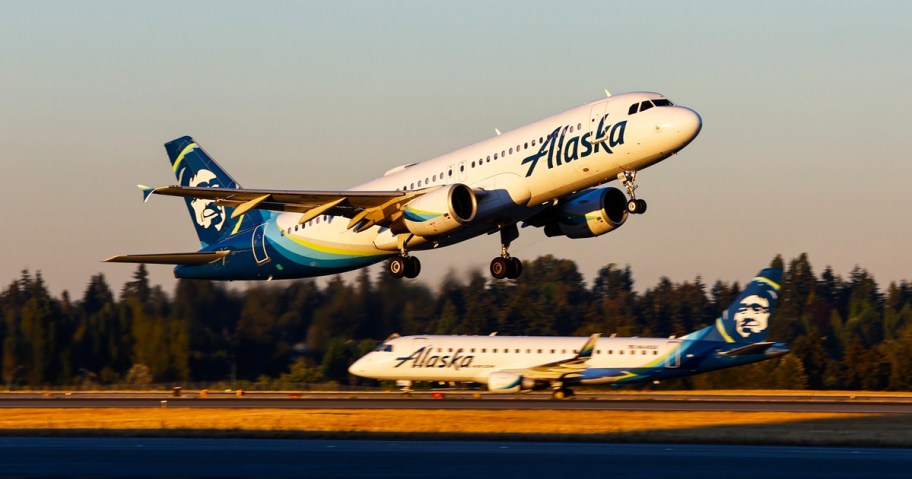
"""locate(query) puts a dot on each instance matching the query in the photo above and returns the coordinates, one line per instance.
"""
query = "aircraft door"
(258, 245)
(673, 359)
(587, 165)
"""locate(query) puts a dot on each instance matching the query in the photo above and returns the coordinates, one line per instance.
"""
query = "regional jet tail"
(546, 174)
(509, 364)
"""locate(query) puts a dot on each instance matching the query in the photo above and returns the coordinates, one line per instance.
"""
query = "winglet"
(586, 351)
(146, 191)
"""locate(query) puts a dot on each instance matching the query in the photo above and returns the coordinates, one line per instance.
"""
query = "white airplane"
(543, 174)
(509, 364)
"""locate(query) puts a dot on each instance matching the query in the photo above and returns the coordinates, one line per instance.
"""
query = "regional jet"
(510, 364)
(546, 174)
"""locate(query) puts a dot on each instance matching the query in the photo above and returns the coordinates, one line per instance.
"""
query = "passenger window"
(552, 351)
(571, 129)
(427, 180)
(282, 232)
(473, 164)
(489, 158)
(579, 126)
(541, 139)
(517, 351)
(450, 173)
(533, 141)
(419, 183)
(526, 145)
(621, 351)
(645, 105)
(503, 153)
(296, 227)
(511, 151)
(434, 177)
(413, 186)
(495, 156)
(461, 167)
(633, 109)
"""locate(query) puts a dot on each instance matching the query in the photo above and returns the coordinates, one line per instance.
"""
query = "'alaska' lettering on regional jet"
(422, 358)
(560, 151)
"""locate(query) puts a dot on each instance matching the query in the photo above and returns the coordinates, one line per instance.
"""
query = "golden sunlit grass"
(671, 426)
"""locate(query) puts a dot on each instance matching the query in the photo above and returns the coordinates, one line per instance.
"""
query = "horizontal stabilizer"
(188, 259)
(755, 348)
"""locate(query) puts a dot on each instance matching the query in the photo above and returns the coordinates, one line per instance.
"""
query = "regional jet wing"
(755, 348)
(565, 368)
(189, 259)
(364, 208)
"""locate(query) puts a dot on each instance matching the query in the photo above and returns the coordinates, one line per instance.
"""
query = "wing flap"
(188, 259)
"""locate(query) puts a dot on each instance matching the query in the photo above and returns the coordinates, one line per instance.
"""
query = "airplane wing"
(755, 348)
(364, 208)
(566, 368)
(190, 259)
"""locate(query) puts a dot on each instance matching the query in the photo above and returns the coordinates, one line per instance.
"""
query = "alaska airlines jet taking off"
(543, 174)
(508, 364)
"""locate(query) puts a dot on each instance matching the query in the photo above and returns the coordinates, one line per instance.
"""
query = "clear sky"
(804, 148)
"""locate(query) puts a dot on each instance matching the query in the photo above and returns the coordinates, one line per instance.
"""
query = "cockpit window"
(662, 102)
(645, 105)
(633, 109)
(387, 348)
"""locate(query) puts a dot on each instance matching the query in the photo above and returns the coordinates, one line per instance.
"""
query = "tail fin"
(194, 167)
(747, 319)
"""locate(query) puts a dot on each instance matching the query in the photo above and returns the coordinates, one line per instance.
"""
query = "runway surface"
(139, 458)
(837, 404)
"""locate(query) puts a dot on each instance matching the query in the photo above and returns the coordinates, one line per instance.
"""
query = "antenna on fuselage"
(497, 131)
(607, 93)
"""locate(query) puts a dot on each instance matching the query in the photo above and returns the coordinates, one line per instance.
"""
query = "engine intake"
(440, 211)
(589, 214)
(507, 382)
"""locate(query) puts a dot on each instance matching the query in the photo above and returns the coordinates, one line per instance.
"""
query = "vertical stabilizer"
(193, 167)
(747, 319)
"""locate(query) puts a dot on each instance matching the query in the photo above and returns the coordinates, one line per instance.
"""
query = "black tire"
(514, 270)
(633, 207)
(641, 206)
(558, 394)
(499, 267)
(397, 266)
(412, 267)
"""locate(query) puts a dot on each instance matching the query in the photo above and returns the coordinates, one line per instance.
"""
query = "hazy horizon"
(804, 108)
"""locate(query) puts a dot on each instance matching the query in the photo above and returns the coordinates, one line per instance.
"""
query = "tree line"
(845, 333)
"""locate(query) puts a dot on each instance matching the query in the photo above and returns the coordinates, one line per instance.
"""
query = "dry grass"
(641, 426)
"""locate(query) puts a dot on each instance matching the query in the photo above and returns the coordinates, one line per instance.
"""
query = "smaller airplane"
(510, 364)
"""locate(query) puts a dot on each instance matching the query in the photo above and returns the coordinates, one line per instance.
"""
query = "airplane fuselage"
(613, 360)
(515, 176)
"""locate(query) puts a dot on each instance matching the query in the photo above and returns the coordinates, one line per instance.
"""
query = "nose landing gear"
(628, 179)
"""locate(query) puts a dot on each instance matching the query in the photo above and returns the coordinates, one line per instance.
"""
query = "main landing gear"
(506, 266)
(559, 391)
(634, 206)
(407, 266)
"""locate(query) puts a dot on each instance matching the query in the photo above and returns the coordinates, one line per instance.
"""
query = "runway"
(462, 401)
(139, 458)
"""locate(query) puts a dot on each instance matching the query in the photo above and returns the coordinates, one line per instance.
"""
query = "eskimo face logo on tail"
(752, 316)
(207, 213)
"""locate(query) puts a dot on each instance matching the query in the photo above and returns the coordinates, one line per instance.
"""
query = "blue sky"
(804, 145)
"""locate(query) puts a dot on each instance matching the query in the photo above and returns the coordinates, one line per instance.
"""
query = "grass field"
(574, 425)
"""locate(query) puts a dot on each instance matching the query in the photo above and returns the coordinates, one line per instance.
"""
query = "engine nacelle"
(507, 382)
(589, 214)
(440, 211)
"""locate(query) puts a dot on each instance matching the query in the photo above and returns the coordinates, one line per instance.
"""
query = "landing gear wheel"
(500, 267)
(397, 266)
(633, 207)
(412, 267)
(641, 206)
(562, 393)
(514, 270)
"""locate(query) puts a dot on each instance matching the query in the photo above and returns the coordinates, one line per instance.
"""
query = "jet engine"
(507, 382)
(440, 211)
(589, 213)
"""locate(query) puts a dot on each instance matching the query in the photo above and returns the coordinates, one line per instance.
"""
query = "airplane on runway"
(510, 364)
(545, 174)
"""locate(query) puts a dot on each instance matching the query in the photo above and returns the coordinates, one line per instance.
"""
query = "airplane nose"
(691, 124)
